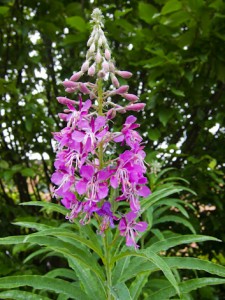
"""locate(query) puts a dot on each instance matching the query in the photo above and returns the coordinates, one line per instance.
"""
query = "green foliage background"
(175, 50)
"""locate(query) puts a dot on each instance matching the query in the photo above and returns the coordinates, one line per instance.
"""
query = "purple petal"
(81, 187)
(87, 172)
(99, 122)
(103, 190)
(130, 120)
(141, 226)
(131, 216)
(144, 191)
(114, 182)
(78, 136)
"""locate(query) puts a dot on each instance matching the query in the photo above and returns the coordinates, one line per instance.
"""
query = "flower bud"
(63, 117)
(84, 89)
(64, 100)
(85, 66)
(76, 76)
(70, 84)
(91, 70)
(98, 57)
(92, 48)
(107, 54)
(135, 107)
(111, 114)
(121, 90)
(105, 66)
(111, 67)
(115, 81)
(124, 74)
(130, 97)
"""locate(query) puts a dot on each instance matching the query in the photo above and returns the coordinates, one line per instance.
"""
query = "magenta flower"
(129, 228)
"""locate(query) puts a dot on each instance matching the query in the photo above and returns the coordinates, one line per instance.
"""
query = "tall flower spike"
(84, 175)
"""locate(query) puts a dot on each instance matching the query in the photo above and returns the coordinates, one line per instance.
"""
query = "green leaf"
(21, 295)
(77, 23)
(4, 10)
(179, 240)
(163, 266)
(51, 207)
(58, 286)
(137, 285)
(177, 92)
(195, 264)
(176, 219)
(146, 12)
(119, 13)
(4, 164)
(93, 286)
(155, 259)
(171, 6)
(62, 272)
(165, 115)
(28, 172)
(154, 134)
(121, 265)
(185, 287)
(120, 291)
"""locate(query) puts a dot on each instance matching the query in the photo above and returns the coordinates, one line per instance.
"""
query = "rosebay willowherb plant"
(106, 198)
(87, 165)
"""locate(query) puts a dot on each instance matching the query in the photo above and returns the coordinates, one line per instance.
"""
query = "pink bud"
(111, 114)
(84, 89)
(76, 76)
(98, 57)
(64, 100)
(62, 116)
(92, 48)
(91, 71)
(107, 54)
(111, 67)
(115, 81)
(85, 66)
(130, 97)
(124, 74)
(71, 90)
(135, 107)
(105, 66)
(123, 89)
(69, 84)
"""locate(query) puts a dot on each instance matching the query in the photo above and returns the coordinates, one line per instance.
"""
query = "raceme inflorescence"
(91, 179)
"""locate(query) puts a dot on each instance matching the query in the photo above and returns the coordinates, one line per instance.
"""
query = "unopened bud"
(66, 101)
(107, 54)
(98, 57)
(124, 74)
(111, 67)
(115, 81)
(91, 71)
(135, 107)
(100, 42)
(85, 66)
(105, 66)
(63, 117)
(123, 89)
(70, 84)
(84, 89)
(130, 97)
(92, 48)
(111, 114)
(76, 76)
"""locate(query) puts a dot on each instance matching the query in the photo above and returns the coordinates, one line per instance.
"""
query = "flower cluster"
(90, 179)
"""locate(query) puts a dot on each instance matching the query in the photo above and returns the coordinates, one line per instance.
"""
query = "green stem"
(108, 266)
(100, 112)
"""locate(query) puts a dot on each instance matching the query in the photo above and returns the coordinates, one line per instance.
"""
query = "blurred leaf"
(77, 23)
(146, 11)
